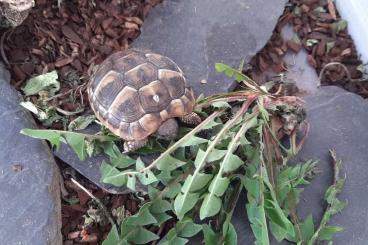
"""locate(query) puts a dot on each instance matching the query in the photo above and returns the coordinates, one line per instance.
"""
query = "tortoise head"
(168, 129)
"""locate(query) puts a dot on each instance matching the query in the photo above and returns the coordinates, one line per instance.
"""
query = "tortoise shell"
(133, 92)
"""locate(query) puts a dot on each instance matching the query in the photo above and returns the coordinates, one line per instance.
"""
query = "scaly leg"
(191, 118)
(130, 146)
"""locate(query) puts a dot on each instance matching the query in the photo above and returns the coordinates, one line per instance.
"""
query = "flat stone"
(30, 210)
(338, 120)
(299, 70)
(198, 34)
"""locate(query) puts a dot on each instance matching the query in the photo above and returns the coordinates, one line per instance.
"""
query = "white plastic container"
(356, 13)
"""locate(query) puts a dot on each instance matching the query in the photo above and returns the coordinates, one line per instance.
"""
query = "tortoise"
(137, 93)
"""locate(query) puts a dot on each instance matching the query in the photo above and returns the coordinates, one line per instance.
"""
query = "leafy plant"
(196, 180)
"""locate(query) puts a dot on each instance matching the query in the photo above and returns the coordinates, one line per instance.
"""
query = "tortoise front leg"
(134, 145)
(192, 118)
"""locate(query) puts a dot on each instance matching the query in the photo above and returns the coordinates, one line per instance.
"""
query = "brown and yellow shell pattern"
(133, 92)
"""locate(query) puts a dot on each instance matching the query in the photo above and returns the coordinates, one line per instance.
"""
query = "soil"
(81, 33)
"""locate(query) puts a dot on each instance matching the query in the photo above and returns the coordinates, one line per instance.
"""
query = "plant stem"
(102, 206)
(182, 140)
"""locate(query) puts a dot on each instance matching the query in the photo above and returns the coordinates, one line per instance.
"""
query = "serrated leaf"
(197, 182)
(160, 206)
(111, 175)
(77, 143)
(143, 217)
(307, 228)
(169, 163)
(211, 125)
(117, 158)
(194, 140)
(147, 177)
(188, 228)
(219, 185)
(256, 216)
(215, 155)
(275, 213)
(221, 104)
(47, 81)
(113, 238)
(327, 232)
(81, 122)
(139, 164)
(173, 191)
(211, 205)
(131, 182)
(161, 217)
(233, 163)
(139, 235)
(184, 203)
(231, 238)
(54, 138)
(210, 237)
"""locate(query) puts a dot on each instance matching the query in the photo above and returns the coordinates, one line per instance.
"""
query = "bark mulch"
(323, 34)
(75, 37)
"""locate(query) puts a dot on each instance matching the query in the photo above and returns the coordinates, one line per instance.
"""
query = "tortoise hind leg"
(134, 145)
(191, 118)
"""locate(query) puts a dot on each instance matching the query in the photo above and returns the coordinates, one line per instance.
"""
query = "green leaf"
(161, 218)
(77, 143)
(327, 232)
(275, 213)
(183, 204)
(112, 175)
(210, 237)
(160, 206)
(233, 163)
(219, 185)
(143, 217)
(176, 241)
(53, 137)
(113, 238)
(221, 104)
(132, 179)
(138, 235)
(231, 237)
(194, 140)
(211, 205)
(81, 122)
(339, 26)
(172, 191)
(46, 81)
(211, 125)
(215, 155)
(197, 182)
(169, 163)
(256, 216)
(117, 158)
(147, 177)
(187, 228)
(311, 42)
(307, 228)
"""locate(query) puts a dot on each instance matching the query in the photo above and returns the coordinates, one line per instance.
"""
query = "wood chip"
(70, 33)
(331, 9)
(63, 62)
(294, 46)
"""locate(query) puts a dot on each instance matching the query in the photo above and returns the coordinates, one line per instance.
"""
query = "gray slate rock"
(197, 34)
(30, 210)
(338, 121)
